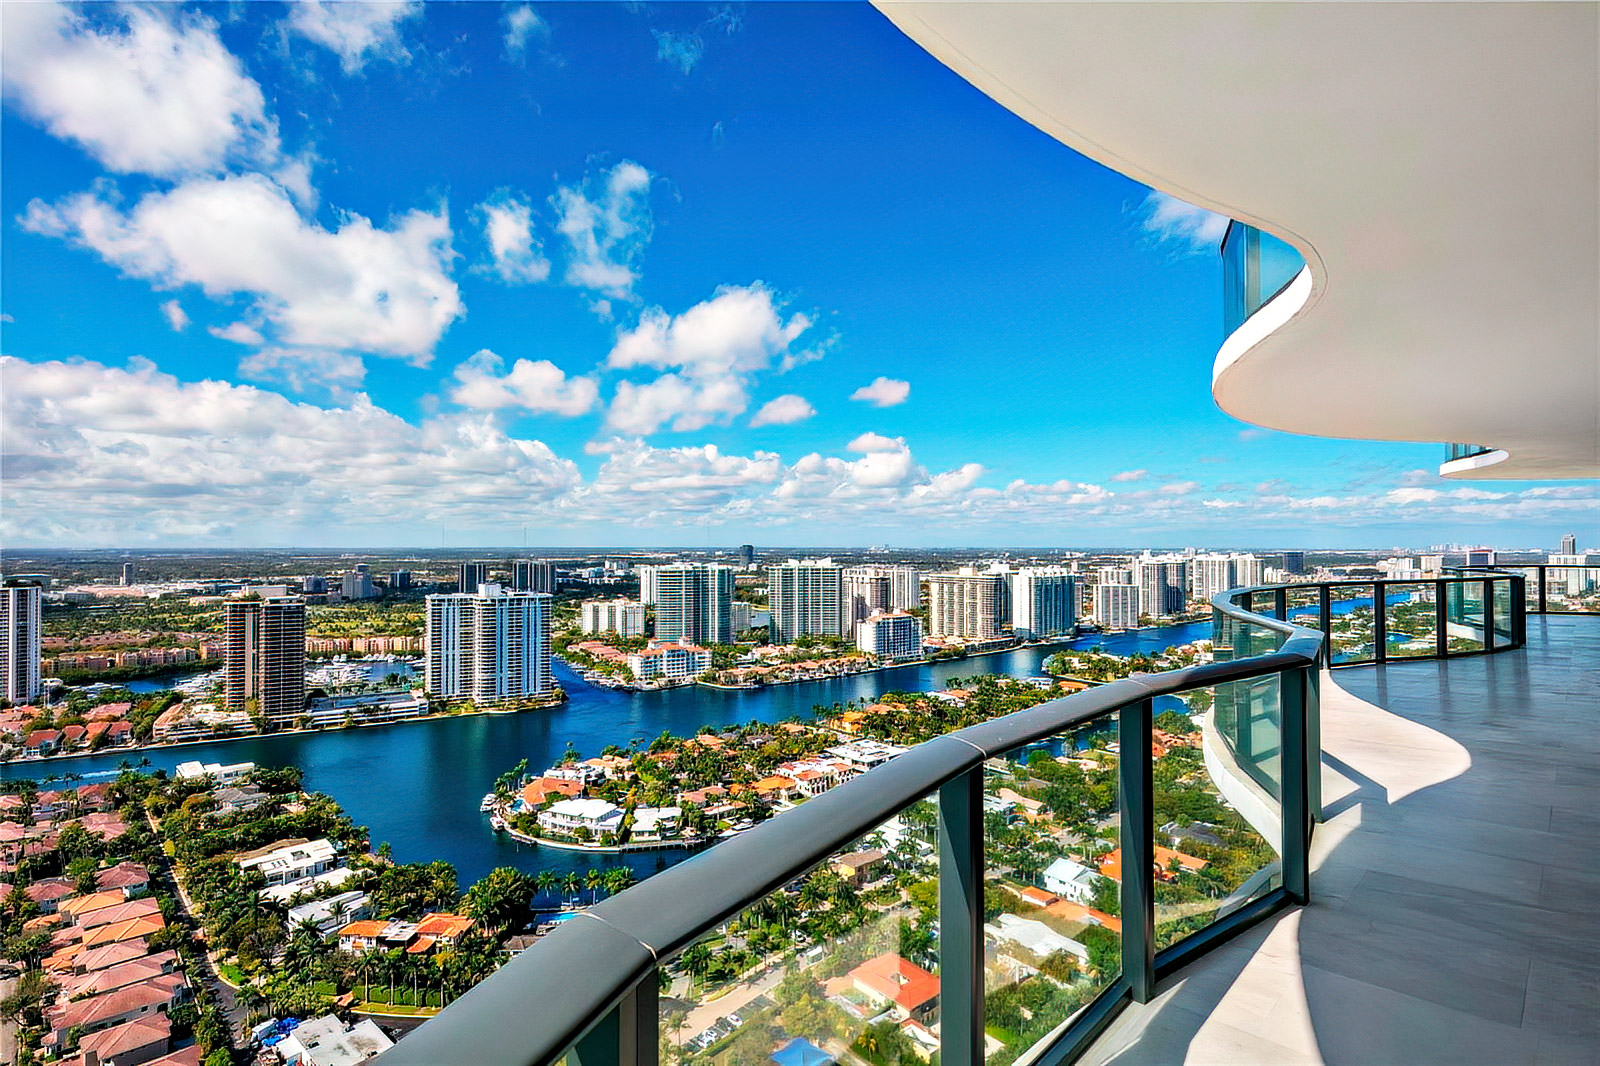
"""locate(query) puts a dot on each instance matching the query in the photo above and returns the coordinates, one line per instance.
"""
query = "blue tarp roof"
(801, 1052)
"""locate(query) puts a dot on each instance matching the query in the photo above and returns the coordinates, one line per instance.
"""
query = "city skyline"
(478, 275)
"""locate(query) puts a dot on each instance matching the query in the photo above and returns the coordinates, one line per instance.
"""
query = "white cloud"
(711, 352)
(1179, 488)
(141, 89)
(606, 223)
(360, 288)
(175, 316)
(305, 369)
(1179, 225)
(681, 50)
(517, 256)
(541, 386)
(522, 23)
(238, 332)
(1131, 475)
(148, 458)
(783, 411)
(883, 392)
(354, 30)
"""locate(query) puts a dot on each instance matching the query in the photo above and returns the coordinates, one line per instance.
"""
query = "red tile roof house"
(103, 958)
(49, 893)
(147, 998)
(73, 736)
(120, 975)
(110, 712)
(133, 1044)
(129, 878)
(106, 826)
(122, 911)
(904, 988)
(42, 742)
(120, 733)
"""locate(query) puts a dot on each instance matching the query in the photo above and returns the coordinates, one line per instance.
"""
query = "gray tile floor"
(1456, 886)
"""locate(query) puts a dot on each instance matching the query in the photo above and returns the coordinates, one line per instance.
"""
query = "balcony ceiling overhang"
(1437, 164)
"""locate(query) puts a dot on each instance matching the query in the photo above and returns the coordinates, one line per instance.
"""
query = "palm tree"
(592, 880)
(545, 881)
(573, 883)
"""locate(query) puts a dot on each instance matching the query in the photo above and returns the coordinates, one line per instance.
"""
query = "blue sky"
(376, 275)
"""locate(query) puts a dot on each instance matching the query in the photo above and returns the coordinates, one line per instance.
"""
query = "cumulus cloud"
(522, 24)
(173, 311)
(516, 255)
(238, 333)
(1180, 226)
(883, 392)
(305, 369)
(384, 291)
(150, 458)
(355, 30)
(1179, 488)
(681, 50)
(606, 223)
(537, 386)
(141, 89)
(710, 352)
(783, 411)
(1131, 475)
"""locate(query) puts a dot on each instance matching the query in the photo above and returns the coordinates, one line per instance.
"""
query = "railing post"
(1325, 615)
(1138, 850)
(1280, 604)
(1314, 735)
(629, 1033)
(1294, 698)
(961, 919)
(1543, 609)
(1380, 622)
(1441, 620)
(1488, 614)
(1519, 611)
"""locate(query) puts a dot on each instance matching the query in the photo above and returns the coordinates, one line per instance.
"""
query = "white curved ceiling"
(1438, 164)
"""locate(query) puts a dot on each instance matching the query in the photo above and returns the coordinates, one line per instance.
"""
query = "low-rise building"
(902, 988)
(332, 913)
(134, 1043)
(1035, 937)
(327, 1041)
(669, 660)
(859, 867)
(290, 860)
(654, 823)
(570, 815)
(129, 878)
(337, 877)
(194, 770)
(1070, 880)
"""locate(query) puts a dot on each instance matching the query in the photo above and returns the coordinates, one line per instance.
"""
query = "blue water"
(417, 785)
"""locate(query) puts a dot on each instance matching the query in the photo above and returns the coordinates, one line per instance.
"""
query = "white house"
(570, 815)
(1039, 939)
(291, 861)
(327, 1041)
(1070, 880)
(331, 913)
(334, 878)
(651, 823)
(219, 773)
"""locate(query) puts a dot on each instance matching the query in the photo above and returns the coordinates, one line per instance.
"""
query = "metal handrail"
(588, 989)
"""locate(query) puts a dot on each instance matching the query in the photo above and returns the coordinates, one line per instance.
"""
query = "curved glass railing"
(1256, 267)
(911, 912)
(1464, 451)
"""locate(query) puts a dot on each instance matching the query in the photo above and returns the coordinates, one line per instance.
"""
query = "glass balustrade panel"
(1352, 631)
(1052, 935)
(1464, 616)
(1215, 814)
(1411, 620)
(840, 965)
(1572, 588)
(1502, 592)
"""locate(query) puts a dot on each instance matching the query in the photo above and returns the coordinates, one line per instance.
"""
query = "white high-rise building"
(1576, 580)
(1432, 564)
(1114, 575)
(649, 582)
(491, 646)
(694, 603)
(1116, 606)
(866, 591)
(1247, 570)
(892, 635)
(1216, 573)
(1044, 602)
(806, 597)
(21, 630)
(966, 604)
(357, 584)
(1163, 584)
(622, 617)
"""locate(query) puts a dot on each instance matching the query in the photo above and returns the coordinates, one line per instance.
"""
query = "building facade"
(533, 575)
(357, 584)
(672, 660)
(892, 635)
(1163, 584)
(806, 597)
(491, 646)
(694, 603)
(20, 638)
(264, 657)
(622, 617)
(1116, 606)
(966, 604)
(470, 576)
(1044, 602)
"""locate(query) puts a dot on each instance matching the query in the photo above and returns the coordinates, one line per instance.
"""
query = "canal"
(417, 784)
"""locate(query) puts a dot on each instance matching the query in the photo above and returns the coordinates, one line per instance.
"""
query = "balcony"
(1453, 881)
(1422, 785)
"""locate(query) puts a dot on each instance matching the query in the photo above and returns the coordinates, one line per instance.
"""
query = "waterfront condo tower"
(533, 575)
(625, 618)
(879, 588)
(264, 656)
(892, 635)
(694, 603)
(20, 607)
(1116, 606)
(1044, 602)
(1163, 582)
(490, 646)
(807, 598)
(966, 604)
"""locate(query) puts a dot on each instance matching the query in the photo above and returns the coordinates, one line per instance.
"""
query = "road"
(227, 998)
(735, 999)
(8, 1029)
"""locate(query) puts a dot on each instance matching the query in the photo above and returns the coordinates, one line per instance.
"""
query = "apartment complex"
(1163, 582)
(672, 660)
(878, 588)
(693, 602)
(1215, 573)
(470, 576)
(491, 646)
(1044, 602)
(622, 617)
(806, 597)
(892, 635)
(264, 656)
(966, 604)
(20, 633)
(533, 575)
(1116, 606)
